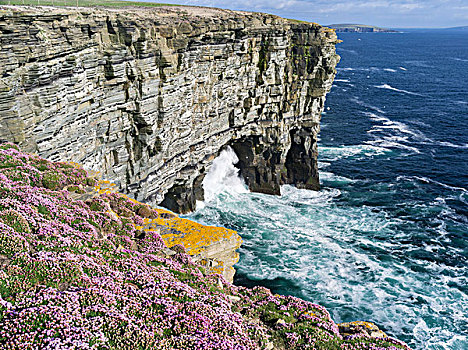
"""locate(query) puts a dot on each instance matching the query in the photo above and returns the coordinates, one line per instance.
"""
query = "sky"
(384, 13)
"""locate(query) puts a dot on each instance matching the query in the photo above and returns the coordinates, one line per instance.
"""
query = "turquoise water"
(385, 239)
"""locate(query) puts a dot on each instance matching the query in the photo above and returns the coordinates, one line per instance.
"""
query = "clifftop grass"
(83, 3)
(80, 274)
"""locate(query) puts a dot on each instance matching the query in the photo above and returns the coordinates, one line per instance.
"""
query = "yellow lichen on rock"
(215, 247)
(194, 236)
(368, 328)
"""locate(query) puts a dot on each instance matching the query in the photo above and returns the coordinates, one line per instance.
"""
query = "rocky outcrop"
(214, 248)
(360, 328)
(149, 97)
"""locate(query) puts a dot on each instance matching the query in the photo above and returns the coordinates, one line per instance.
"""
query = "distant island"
(359, 28)
(465, 28)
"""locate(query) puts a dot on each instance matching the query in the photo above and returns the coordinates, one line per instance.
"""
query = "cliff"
(78, 270)
(149, 97)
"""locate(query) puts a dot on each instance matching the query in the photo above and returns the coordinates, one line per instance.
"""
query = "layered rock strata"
(149, 97)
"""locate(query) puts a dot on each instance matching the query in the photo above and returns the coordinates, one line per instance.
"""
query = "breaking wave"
(388, 87)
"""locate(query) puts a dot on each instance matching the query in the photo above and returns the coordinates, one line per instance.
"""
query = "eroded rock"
(149, 97)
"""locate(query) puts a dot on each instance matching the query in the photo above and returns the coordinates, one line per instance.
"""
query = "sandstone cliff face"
(149, 97)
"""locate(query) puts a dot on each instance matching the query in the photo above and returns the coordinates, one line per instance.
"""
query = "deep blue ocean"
(385, 239)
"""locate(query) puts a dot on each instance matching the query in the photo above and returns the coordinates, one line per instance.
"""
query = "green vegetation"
(83, 3)
(79, 274)
(297, 21)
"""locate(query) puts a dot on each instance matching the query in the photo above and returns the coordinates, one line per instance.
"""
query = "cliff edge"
(149, 97)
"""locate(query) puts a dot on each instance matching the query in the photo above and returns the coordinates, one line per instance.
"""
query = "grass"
(297, 20)
(83, 3)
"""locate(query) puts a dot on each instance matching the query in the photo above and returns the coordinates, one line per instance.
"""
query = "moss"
(182, 276)
(65, 165)
(32, 273)
(96, 206)
(15, 220)
(157, 263)
(92, 314)
(7, 161)
(51, 180)
(17, 175)
(42, 165)
(9, 145)
(263, 56)
(73, 188)
(10, 244)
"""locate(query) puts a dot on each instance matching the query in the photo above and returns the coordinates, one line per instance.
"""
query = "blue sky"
(386, 13)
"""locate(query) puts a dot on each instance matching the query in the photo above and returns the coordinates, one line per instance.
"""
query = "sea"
(385, 239)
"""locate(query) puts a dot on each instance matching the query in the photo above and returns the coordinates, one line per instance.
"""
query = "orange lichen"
(193, 236)
(364, 324)
(104, 186)
(219, 269)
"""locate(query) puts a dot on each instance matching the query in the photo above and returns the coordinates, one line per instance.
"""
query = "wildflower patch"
(93, 270)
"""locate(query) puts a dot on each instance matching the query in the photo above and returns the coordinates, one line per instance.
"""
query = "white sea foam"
(418, 122)
(387, 124)
(328, 176)
(392, 144)
(390, 70)
(429, 180)
(223, 176)
(403, 68)
(356, 99)
(311, 239)
(389, 87)
(449, 144)
(432, 142)
(402, 128)
(342, 80)
(323, 165)
(319, 249)
(302, 196)
(331, 154)
(419, 63)
(459, 59)
(346, 50)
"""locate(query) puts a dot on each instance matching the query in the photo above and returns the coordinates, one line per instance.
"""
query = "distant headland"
(359, 28)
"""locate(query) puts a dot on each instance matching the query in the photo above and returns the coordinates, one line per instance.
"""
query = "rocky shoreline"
(85, 267)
